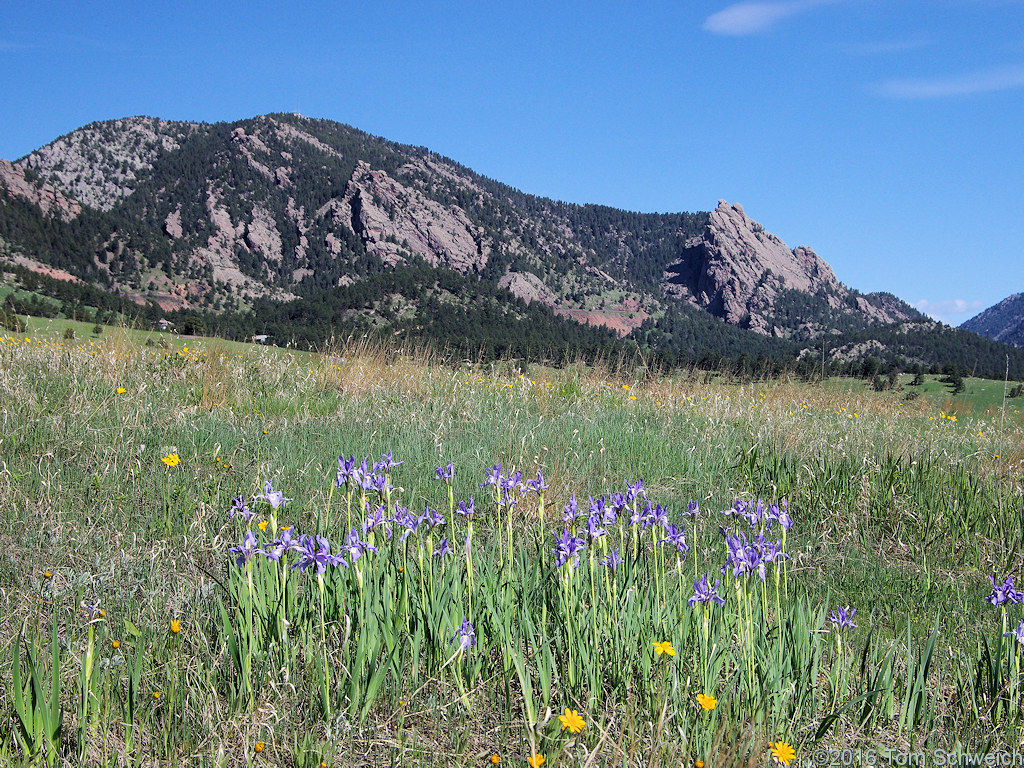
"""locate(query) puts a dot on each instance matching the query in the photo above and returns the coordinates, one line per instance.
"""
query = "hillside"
(1003, 322)
(217, 220)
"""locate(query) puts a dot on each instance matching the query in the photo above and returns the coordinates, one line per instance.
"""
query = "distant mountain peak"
(1002, 322)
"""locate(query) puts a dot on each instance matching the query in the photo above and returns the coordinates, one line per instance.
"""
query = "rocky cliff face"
(394, 220)
(47, 198)
(736, 270)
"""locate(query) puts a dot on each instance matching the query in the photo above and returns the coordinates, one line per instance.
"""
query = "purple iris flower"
(280, 546)
(511, 483)
(771, 553)
(617, 505)
(387, 463)
(466, 509)
(345, 469)
(612, 559)
(444, 549)
(316, 551)
(743, 557)
(571, 510)
(507, 500)
(446, 473)
(1005, 593)
(356, 548)
(677, 537)
(842, 618)
(432, 517)
(246, 550)
(656, 515)
(538, 485)
(692, 509)
(380, 484)
(466, 636)
(92, 612)
(1018, 633)
(240, 508)
(491, 476)
(407, 520)
(702, 593)
(781, 513)
(377, 520)
(594, 529)
(365, 480)
(274, 498)
(747, 510)
(633, 490)
(568, 549)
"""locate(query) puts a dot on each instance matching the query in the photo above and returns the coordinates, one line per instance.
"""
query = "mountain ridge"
(400, 201)
(213, 218)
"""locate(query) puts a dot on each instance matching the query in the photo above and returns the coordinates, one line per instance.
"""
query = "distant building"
(261, 338)
(163, 324)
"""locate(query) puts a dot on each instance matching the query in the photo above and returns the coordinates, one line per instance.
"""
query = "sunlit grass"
(900, 511)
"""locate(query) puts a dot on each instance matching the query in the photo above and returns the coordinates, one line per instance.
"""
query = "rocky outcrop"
(393, 219)
(51, 202)
(99, 164)
(528, 287)
(259, 236)
(736, 270)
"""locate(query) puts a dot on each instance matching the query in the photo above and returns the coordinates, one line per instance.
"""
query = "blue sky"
(885, 134)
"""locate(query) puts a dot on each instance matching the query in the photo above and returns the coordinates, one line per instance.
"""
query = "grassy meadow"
(530, 568)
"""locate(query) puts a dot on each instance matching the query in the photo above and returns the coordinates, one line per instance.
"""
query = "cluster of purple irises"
(313, 551)
(364, 476)
(609, 510)
(508, 485)
(758, 513)
(745, 556)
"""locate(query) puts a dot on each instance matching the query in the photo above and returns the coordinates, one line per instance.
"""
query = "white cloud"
(753, 16)
(981, 81)
(950, 311)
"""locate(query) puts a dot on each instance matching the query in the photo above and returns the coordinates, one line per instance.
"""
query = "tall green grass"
(899, 511)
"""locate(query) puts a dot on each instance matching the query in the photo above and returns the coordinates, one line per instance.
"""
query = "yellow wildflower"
(175, 626)
(120, 390)
(259, 747)
(572, 721)
(664, 647)
(783, 752)
(535, 761)
(262, 525)
(707, 702)
(171, 460)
